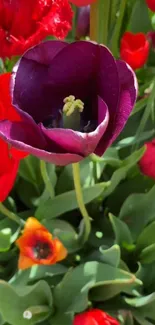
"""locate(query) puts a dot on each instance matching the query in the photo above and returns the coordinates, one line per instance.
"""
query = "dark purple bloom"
(99, 92)
(151, 37)
(83, 21)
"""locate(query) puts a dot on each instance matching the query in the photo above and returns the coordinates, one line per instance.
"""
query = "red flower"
(9, 161)
(80, 3)
(94, 317)
(134, 49)
(151, 4)
(37, 246)
(147, 162)
(24, 23)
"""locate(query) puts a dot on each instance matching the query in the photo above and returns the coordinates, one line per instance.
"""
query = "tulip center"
(41, 250)
(72, 110)
(71, 104)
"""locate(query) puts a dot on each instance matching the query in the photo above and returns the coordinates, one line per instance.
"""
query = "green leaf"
(27, 192)
(5, 239)
(65, 182)
(140, 301)
(65, 202)
(137, 211)
(147, 237)
(122, 172)
(30, 170)
(111, 255)
(140, 319)
(77, 282)
(133, 140)
(140, 21)
(15, 302)
(121, 230)
(36, 273)
(110, 157)
(148, 254)
(139, 105)
(62, 319)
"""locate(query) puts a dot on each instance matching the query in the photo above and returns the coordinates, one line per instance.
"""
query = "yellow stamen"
(70, 104)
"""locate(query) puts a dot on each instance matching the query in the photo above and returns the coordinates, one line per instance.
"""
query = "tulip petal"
(8, 171)
(60, 250)
(108, 81)
(32, 224)
(24, 262)
(69, 73)
(11, 132)
(128, 94)
(78, 142)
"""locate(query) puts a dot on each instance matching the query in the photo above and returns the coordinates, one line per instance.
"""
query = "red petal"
(7, 111)
(134, 49)
(8, 171)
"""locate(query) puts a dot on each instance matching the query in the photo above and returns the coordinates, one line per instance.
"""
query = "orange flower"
(37, 246)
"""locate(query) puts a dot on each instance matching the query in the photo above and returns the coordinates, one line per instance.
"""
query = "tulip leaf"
(65, 181)
(122, 233)
(65, 202)
(37, 272)
(148, 254)
(65, 319)
(121, 173)
(5, 239)
(30, 170)
(140, 301)
(141, 320)
(15, 303)
(77, 283)
(111, 255)
(147, 237)
(140, 21)
(137, 211)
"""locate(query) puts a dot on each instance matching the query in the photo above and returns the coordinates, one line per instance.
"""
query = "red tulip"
(147, 162)
(9, 161)
(134, 49)
(151, 4)
(94, 317)
(24, 23)
(80, 3)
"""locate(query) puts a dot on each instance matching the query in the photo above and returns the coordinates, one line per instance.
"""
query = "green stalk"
(79, 196)
(94, 21)
(46, 178)
(117, 29)
(113, 11)
(11, 215)
(146, 114)
(104, 21)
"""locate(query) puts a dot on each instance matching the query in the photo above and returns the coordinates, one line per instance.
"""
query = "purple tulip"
(74, 100)
(83, 21)
(151, 37)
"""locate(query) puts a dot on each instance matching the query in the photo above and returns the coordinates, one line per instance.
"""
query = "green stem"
(146, 115)
(74, 21)
(116, 33)
(11, 215)
(113, 11)
(46, 178)
(104, 20)
(94, 21)
(79, 196)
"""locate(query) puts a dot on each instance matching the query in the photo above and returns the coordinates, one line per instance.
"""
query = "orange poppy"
(37, 246)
